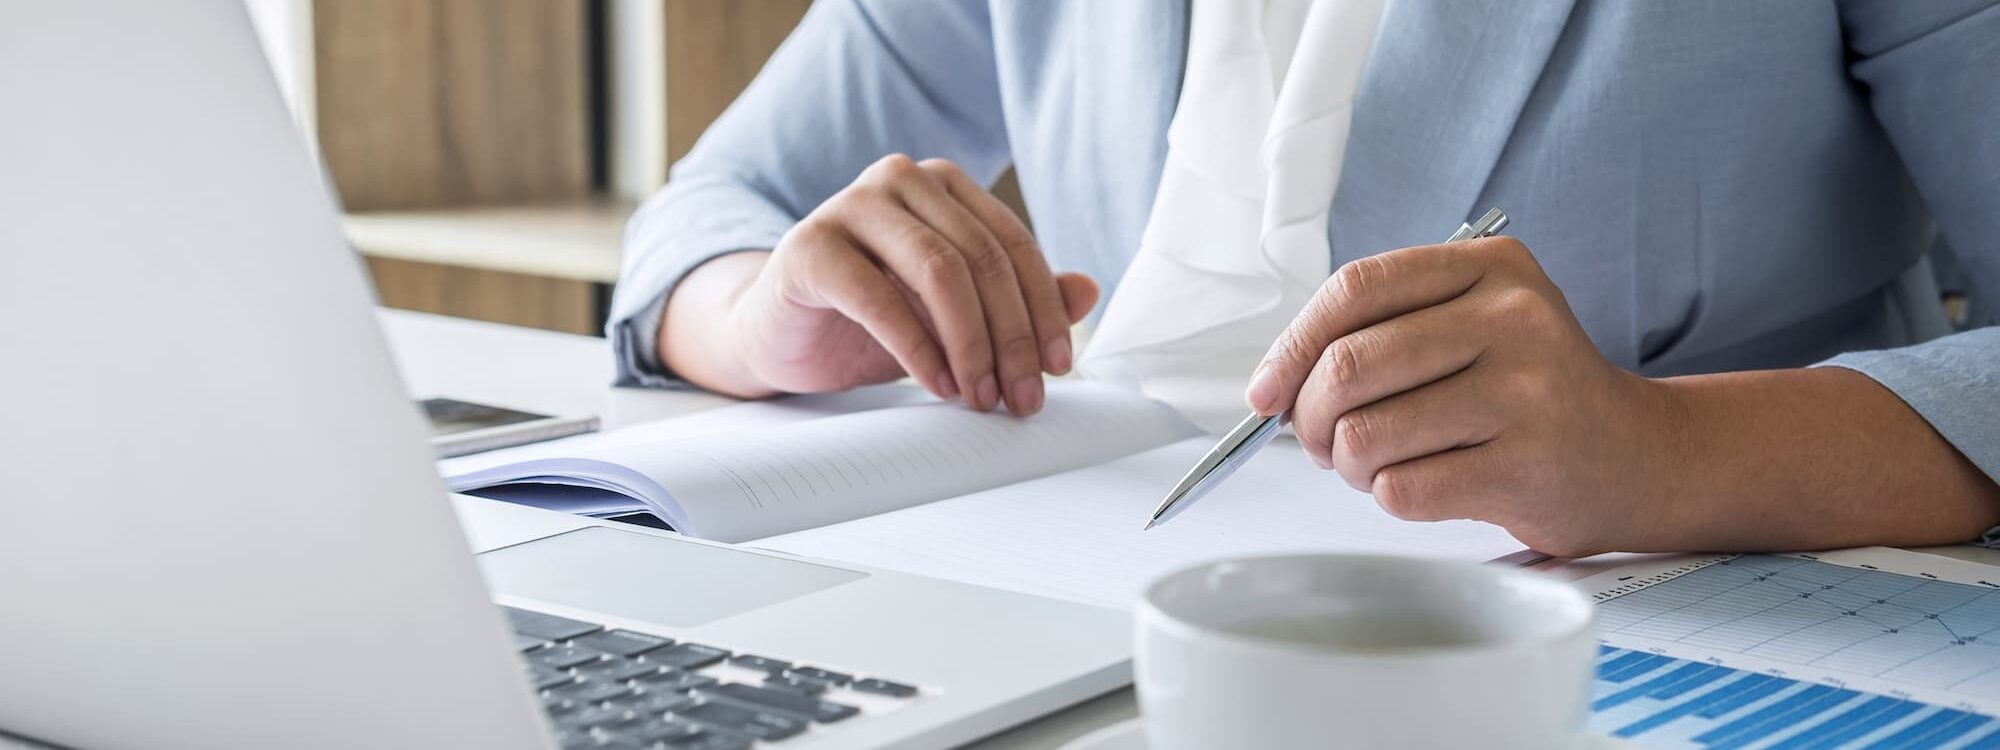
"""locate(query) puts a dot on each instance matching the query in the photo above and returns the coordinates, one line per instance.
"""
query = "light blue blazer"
(1715, 185)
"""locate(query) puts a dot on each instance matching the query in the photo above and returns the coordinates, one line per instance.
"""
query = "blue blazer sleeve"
(1932, 73)
(856, 81)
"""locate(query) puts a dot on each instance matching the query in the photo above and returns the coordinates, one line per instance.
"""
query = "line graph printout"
(1883, 621)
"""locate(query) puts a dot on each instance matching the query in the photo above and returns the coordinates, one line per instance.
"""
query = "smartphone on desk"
(460, 428)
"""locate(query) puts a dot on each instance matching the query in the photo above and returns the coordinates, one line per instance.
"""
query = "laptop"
(221, 526)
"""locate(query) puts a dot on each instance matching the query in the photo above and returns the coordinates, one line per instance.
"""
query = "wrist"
(1672, 464)
(735, 340)
(1814, 458)
(1692, 479)
(704, 335)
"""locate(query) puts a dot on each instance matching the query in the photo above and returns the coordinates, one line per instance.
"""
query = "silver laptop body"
(219, 523)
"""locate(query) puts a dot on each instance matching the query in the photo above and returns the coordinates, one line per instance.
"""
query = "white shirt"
(1237, 239)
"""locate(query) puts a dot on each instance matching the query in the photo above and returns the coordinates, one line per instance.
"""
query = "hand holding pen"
(1453, 381)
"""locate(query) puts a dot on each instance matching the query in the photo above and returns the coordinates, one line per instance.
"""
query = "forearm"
(1813, 459)
(694, 344)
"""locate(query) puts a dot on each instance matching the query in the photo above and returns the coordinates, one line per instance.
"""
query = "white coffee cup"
(1363, 652)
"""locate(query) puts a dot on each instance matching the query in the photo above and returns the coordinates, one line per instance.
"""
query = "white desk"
(563, 373)
(557, 372)
(568, 374)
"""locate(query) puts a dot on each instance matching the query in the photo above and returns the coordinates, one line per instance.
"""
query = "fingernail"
(1055, 354)
(947, 387)
(1322, 463)
(1263, 391)
(1026, 396)
(987, 394)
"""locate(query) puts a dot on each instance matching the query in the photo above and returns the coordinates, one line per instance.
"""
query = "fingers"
(1449, 414)
(1037, 284)
(932, 267)
(1079, 293)
(1443, 486)
(1017, 357)
(848, 282)
(969, 272)
(1365, 292)
(1382, 360)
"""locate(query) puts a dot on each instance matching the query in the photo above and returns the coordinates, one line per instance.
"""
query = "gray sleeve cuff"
(680, 228)
(1953, 383)
(635, 343)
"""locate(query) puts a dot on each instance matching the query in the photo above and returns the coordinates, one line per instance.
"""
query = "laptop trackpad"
(655, 579)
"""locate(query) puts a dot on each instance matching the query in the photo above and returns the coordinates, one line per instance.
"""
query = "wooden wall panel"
(433, 103)
(713, 49)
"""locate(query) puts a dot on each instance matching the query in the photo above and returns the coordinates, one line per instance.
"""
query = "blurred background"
(488, 152)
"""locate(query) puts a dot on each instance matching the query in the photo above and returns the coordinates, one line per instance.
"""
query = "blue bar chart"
(1909, 629)
(1869, 649)
(1658, 701)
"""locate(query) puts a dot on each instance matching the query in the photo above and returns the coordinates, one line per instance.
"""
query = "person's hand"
(1452, 381)
(913, 269)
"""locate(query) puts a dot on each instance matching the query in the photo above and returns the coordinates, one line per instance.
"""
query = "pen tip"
(1150, 524)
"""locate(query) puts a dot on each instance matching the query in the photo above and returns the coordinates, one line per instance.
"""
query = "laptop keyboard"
(623, 690)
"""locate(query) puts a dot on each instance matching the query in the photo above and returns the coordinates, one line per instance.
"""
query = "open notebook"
(779, 475)
(1079, 535)
(888, 477)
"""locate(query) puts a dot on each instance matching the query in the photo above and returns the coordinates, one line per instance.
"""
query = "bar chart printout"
(1878, 649)
(1657, 701)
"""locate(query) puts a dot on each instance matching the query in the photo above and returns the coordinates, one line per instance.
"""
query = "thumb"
(1079, 294)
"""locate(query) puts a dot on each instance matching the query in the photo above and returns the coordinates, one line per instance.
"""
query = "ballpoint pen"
(1256, 430)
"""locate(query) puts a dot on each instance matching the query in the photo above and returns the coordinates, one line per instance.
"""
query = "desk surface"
(563, 373)
(566, 374)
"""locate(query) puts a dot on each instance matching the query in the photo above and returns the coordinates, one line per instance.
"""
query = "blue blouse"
(1724, 187)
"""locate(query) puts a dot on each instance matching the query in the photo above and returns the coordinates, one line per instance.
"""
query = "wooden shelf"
(576, 240)
(547, 266)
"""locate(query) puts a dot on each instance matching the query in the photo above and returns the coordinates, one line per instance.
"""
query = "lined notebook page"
(748, 484)
(1077, 535)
